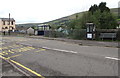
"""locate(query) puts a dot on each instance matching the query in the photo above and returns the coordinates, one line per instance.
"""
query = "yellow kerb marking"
(27, 69)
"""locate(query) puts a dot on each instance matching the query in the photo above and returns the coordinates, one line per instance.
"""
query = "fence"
(80, 34)
(14, 34)
(74, 34)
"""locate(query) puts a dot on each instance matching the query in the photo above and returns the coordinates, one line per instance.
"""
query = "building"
(43, 27)
(5, 26)
(30, 31)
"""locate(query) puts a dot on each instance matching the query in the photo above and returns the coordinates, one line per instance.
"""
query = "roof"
(44, 25)
(7, 19)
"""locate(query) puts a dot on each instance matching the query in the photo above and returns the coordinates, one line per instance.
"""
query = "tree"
(101, 16)
(93, 8)
(102, 6)
(77, 16)
(106, 21)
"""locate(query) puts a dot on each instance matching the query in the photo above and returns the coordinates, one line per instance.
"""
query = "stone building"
(5, 26)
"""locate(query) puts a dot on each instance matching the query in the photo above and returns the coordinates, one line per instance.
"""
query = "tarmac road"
(40, 57)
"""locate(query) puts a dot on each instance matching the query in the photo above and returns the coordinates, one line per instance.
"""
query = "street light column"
(9, 25)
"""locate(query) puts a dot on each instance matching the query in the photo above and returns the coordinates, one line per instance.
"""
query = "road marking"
(60, 50)
(1, 43)
(27, 69)
(10, 51)
(14, 56)
(23, 67)
(112, 58)
(3, 57)
(41, 49)
(23, 49)
(2, 48)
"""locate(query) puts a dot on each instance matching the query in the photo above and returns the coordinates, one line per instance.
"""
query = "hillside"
(114, 11)
(63, 20)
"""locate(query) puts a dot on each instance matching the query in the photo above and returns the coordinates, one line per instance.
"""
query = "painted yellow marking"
(41, 49)
(3, 57)
(4, 52)
(38, 51)
(2, 48)
(14, 56)
(10, 51)
(24, 67)
(27, 69)
(22, 49)
(12, 46)
(1, 54)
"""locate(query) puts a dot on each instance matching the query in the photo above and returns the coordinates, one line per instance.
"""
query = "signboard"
(89, 36)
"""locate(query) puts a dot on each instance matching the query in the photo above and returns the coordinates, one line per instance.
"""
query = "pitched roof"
(7, 19)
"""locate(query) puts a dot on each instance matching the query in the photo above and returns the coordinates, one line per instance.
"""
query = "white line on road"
(112, 58)
(60, 50)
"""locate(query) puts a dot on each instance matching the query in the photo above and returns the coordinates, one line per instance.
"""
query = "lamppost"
(9, 25)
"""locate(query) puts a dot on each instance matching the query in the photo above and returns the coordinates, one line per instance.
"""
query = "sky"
(39, 11)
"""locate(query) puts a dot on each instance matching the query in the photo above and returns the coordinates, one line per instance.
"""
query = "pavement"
(50, 58)
(81, 42)
(9, 71)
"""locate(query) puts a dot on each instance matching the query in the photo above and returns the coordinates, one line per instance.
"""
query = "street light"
(9, 25)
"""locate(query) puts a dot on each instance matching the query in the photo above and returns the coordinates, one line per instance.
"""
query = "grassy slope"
(67, 18)
(114, 11)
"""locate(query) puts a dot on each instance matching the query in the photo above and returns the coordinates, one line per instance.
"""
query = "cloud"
(25, 11)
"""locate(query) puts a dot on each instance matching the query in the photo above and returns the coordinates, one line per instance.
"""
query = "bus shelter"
(90, 31)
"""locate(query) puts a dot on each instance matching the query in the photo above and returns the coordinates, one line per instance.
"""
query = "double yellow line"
(23, 67)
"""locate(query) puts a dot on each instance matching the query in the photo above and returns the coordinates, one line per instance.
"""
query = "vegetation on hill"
(78, 20)
(100, 15)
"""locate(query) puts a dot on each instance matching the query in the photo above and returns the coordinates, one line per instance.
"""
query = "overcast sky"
(39, 11)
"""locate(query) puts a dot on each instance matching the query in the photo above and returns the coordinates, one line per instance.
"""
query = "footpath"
(8, 71)
(83, 42)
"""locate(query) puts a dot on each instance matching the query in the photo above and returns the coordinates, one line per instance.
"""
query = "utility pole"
(9, 25)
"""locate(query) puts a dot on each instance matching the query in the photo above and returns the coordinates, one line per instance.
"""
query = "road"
(43, 58)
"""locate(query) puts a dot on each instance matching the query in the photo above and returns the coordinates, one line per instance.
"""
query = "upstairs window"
(12, 22)
(3, 22)
(8, 23)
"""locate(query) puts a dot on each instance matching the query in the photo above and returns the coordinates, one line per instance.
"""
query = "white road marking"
(60, 50)
(112, 58)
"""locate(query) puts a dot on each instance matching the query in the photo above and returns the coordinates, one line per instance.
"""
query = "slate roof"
(7, 19)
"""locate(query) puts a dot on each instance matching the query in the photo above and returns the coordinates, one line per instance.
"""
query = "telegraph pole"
(9, 25)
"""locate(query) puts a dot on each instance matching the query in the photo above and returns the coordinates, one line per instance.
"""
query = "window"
(8, 23)
(6, 27)
(3, 22)
(12, 22)
(2, 27)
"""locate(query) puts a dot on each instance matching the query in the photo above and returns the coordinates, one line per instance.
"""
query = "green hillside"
(64, 20)
(115, 11)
